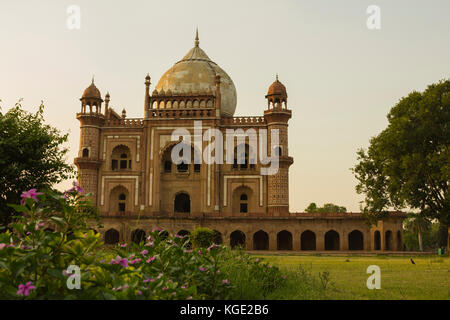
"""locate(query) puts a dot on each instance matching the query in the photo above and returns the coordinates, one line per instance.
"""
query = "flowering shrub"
(35, 260)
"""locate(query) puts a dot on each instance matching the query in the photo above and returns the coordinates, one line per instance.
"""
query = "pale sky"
(341, 77)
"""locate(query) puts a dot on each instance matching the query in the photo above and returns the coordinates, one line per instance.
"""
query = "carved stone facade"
(126, 164)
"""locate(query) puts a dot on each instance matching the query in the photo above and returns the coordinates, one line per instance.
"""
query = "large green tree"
(408, 164)
(31, 156)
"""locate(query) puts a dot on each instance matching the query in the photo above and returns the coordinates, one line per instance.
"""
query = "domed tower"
(277, 116)
(91, 120)
(196, 76)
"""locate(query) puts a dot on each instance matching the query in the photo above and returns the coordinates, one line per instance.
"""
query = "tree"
(418, 224)
(327, 208)
(31, 156)
(408, 163)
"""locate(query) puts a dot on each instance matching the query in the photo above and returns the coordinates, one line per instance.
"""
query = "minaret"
(147, 95)
(91, 120)
(277, 116)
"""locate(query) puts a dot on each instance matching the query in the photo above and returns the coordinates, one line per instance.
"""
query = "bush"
(37, 263)
(202, 237)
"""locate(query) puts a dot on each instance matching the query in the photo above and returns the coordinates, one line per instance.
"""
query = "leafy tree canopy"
(408, 164)
(31, 156)
(327, 208)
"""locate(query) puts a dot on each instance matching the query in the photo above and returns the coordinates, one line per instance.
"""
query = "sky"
(341, 77)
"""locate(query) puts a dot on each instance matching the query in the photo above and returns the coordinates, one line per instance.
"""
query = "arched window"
(243, 206)
(122, 205)
(121, 158)
(242, 159)
(182, 203)
(85, 153)
(119, 200)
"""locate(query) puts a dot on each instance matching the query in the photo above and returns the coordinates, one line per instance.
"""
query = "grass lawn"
(428, 278)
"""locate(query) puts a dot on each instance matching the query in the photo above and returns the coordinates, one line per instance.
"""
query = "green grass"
(428, 278)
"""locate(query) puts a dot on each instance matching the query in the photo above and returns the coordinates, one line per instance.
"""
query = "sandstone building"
(125, 163)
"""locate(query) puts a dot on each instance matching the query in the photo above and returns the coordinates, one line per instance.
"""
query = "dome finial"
(197, 42)
(277, 76)
(93, 78)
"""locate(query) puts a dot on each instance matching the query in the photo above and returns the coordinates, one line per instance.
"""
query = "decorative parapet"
(181, 113)
(129, 123)
(247, 121)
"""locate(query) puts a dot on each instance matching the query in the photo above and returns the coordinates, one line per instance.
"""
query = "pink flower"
(139, 292)
(29, 194)
(2, 245)
(123, 262)
(202, 269)
(150, 238)
(151, 259)
(144, 252)
(159, 276)
(164, 288)
(149, 244)
(189, 298)
(24, 289)
(226, 281)
(77, 186)
(178, 236)
(283, 276)
(174, 293)
(199, 251)
(183, 287)
(135, 261)
(123, 245)
(188, 251)
(39, 225)
(213, 246)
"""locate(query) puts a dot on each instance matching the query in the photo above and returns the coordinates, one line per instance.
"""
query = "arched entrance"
(137, 236)
(332, 240)
(237, 238)
(399, 241)
(388, 240)
(356, 240)
(217, 237)
(308, 240)
(377, 240)
(284, 240)
(182, 203)
(111, 236)
(260, 240)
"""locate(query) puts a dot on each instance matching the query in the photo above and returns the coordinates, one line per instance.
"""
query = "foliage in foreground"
(35, 260)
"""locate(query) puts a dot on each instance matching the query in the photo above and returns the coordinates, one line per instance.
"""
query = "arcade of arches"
(382, 238)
